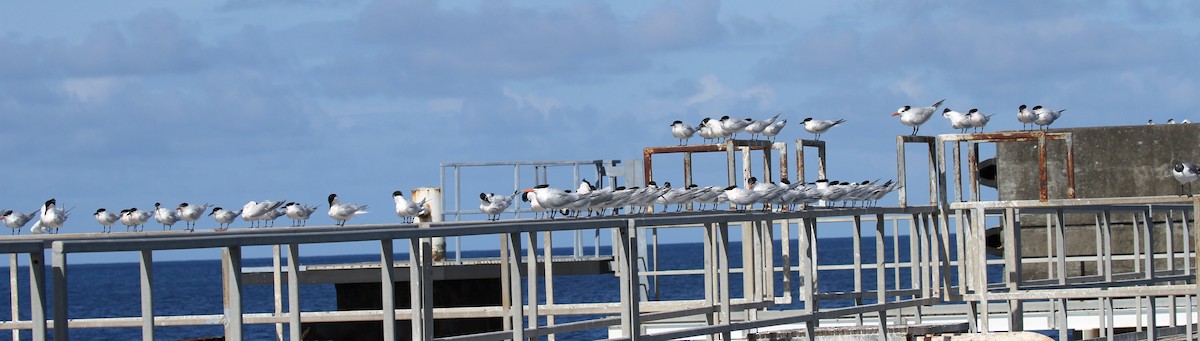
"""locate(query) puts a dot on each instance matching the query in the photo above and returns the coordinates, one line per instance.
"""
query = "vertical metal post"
(59, 277)
(730, 161)
(516, 311)
(858, 269)
(37, 294)
(1012, 268)
(749, 263)
(147, 276)
(901, 183)
(277, 288)
(548, 262)
(232, 257)
(786, 257)
(531, 280)
(687, 175)
(387, 283)
(1152, 315)
(420, 258)
(880, 276)
(506, 301)
(294, 326)
(15, 297)
(1061, 246)
(723, 277)
(630, 313)
(710, 276)
(979, 243)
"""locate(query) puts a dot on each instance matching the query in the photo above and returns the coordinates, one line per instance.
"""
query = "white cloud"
(715, 94)
(91, 89)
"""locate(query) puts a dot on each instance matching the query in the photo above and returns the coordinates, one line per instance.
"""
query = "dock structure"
(945, 278)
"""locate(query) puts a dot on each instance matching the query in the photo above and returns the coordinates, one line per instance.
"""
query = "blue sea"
(194, 287)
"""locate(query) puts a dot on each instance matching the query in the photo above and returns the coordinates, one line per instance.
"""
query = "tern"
(126, 219)
(270, 216)
(818, 127)
(165, 216)
(1046, 117)
(553, 199)
(740, 198)
(254, 211)
(1186, 173)
(136, 218)
(106, 219)
(17, 220)
(534, 205)
(706, 132)
(734, 126)
(493, 205)
(774, 129)
(224, 217)
(190, 214)
(915, 117)
(715, 128)
(1026, 116)
(407, 210)
(298, 212)
(342, 212)
(758, 126)
(52, 217)
(958, 120)
(682, 131)
(977, 119)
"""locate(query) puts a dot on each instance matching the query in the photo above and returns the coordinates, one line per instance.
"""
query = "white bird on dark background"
(17, 220)
(915, 117)
(818, 127)
(342, 212)
(106, 219)
(1186, 173)
(682, 131)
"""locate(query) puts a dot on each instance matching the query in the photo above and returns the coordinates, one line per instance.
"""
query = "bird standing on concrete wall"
(1186, 173)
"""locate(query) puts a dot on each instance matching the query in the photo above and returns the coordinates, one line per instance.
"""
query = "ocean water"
(194, 287)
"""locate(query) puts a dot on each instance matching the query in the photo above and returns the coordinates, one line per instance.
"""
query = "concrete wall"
(1120, 161)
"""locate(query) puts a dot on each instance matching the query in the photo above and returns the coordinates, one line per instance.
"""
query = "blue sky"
(126, 104)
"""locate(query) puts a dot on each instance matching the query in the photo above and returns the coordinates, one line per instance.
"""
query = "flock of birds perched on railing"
(548, 202)
(726, 127)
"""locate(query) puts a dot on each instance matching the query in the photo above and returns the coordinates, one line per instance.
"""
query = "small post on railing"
(59, 277)
(433, 203)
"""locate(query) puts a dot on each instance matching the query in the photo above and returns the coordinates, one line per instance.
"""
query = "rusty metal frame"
(800, 162)
(937, 172)
(973, 141)
(729, 147)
